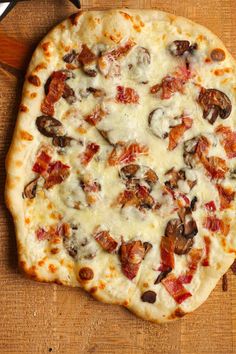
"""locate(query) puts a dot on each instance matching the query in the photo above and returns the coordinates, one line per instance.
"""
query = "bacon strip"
(106, 241)
(90, 151)
(228, 140)
(226, 196)
(195, 256)
(167, 254)
(128, 154)
(55, 91)
(126, 95)
(57, 173)
(175, 288)
(131, 256)
(205, 261)
(42, 163)
(178, 131)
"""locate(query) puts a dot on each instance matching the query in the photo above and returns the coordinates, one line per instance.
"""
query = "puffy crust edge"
(19, 149)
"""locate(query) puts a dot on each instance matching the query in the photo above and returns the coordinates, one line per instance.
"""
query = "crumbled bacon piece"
(126, 95)
(95, 117)
(121, 50)
(57, 173)
(86, 56)
(175, 288)
(178, 131)
(226, 196)
(128, 154)
(131, 256)
(205, 261)
(203, 146)
(106, 241)
(90, 151)
(167, 254)
(195, 256)
(228, 140)
(172, 83)
(42, 163)
(210, 206)
(212, 223)
(54, 92)
(53, 232)
(215, 166)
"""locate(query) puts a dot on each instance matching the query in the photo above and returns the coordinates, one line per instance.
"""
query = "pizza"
(121, 173)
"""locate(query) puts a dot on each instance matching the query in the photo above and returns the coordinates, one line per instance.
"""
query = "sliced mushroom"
(129, 171)
(214, 103)
(190, 225)
(135, 173)
(70, 57)
(183, 245)
(174, 228)
(146, 202)
(62, 141)
(193, 204)
(49, 126)
(69, 94)
(90, 72)
(30, 189)
(162, 275)
(143, 56)
(190, 148)
(147, 247)
(180, 233)
(96, 92)
(232, 173)
(158, 123)
(180, 47)
(175, 177)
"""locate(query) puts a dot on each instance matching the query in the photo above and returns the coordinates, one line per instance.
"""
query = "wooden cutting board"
(41, 318)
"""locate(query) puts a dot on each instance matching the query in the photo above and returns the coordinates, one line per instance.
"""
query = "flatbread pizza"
(121, 173)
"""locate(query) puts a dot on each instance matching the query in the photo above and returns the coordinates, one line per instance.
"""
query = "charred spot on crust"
(217, 54)
(86, 273)
(34, 80)
(178, 313)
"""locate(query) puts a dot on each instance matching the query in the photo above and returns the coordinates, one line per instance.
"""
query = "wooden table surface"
(41, 318)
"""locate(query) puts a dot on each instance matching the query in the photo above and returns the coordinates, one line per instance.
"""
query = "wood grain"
(41, 318)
